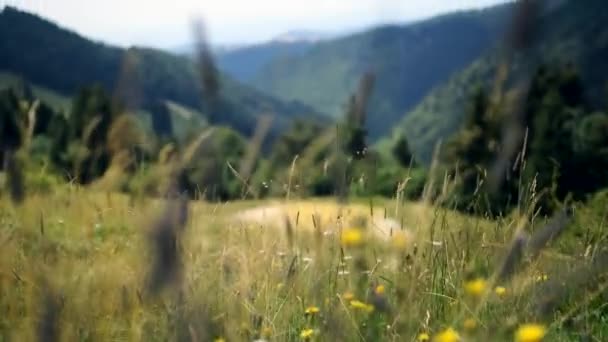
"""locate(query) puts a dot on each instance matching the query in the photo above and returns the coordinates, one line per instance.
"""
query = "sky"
(167, 23)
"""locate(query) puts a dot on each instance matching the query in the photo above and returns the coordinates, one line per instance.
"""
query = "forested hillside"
(47, 55)
(245, 63)
(572, 34)
(408, 62)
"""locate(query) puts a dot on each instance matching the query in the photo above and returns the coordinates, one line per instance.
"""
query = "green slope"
(244, 63)
(408, 62)
(574, 32)
(50, 97)
(186, 121)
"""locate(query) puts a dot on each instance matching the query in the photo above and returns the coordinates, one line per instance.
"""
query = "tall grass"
(77, 265)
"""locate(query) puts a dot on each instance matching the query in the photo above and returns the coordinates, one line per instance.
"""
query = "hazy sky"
(166, 23)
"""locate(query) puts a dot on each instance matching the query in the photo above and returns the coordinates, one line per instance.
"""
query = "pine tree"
(89, 123)
(11, 138)
(11, 125)
(591, 149)
(354, 133)
(554, 107)
(401, 151)
(470, 153)
(161, 120)
(58, 133)
(44, 116)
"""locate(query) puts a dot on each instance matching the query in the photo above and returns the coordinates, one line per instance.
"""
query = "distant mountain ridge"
(245, 62)
(302, 36)
(407, 60)
(48, 55)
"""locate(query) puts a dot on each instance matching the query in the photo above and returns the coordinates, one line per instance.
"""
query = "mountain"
(302, 36)
(54, 58)
(246, 62)
(568, 32)
(408, 61)
(243, 61)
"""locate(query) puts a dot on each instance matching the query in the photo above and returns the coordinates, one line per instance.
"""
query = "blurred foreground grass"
(74, 265)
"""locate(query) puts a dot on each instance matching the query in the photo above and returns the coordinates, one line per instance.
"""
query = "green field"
(76, 264)
(57, 101)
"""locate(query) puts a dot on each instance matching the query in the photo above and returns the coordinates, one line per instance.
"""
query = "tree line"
(562, 149)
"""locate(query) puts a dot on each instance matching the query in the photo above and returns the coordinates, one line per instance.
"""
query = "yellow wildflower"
(400, 240)
(266, 332)
(530, 333)
(361, 306)
(541, 277)
(424, 337)
(448, 335)
(348, 295)
(311, 310)
(351, 237)
(475, 287)
(500, 291)
(307, 333)
(469, 324)
(219, 339)
(380, 289)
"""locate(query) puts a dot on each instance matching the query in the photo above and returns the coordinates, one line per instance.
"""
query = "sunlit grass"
(251, 279)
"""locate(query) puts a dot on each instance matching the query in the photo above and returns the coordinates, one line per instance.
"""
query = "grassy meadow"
(78, 265)
(442, 180)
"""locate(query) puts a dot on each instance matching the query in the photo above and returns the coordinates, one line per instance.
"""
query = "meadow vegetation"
(158, 222)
